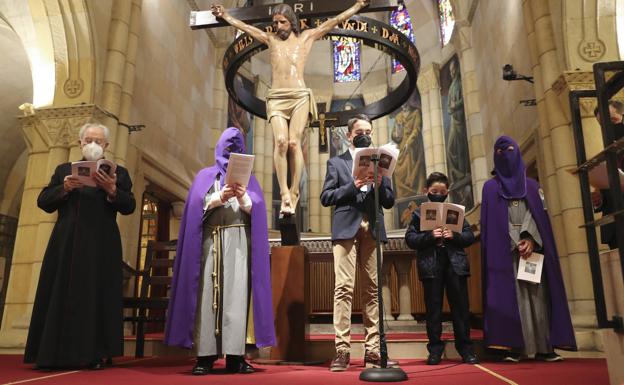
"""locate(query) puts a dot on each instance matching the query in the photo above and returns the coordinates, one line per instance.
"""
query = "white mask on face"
(92, 151)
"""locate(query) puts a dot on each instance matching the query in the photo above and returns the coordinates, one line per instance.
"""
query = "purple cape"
(502, 325)
(185, 285)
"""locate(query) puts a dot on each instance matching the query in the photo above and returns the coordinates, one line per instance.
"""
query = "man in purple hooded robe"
(216, 267)
(522, 317)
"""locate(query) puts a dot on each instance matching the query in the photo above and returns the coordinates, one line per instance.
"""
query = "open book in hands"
(435, 214)
(364, 166)
(85, 169)
(239, 169)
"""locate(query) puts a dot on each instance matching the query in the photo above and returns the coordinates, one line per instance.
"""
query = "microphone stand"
(382, 374)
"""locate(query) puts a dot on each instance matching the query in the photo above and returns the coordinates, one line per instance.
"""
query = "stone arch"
(58, 40)
(51, 62)
(17, 88)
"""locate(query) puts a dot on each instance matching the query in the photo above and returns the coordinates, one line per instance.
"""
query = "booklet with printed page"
(84, 170)
(363, 164)
(530, 269)
(239, 169)
(436, 214)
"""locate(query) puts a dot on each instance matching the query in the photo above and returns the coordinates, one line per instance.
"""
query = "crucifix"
(263, 13)
(320, 122)
(289, 103)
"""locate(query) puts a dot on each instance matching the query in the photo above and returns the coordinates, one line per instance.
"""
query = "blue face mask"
(437, 197)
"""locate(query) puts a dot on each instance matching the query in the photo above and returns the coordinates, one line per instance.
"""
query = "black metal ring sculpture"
(373, 33)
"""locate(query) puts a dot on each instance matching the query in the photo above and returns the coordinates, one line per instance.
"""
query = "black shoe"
(95, 366)
(470, 358)
(237, 364)
(434, 358)
(203, 365)
(548, 357)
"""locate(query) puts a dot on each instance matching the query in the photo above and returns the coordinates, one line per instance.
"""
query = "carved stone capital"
(574, 80)
(57, 126)
(429, 78)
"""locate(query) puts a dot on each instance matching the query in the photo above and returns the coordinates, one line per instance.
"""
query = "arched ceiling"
(17, 88)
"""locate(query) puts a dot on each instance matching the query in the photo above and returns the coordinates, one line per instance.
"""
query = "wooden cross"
(307, 8)
(320, 122)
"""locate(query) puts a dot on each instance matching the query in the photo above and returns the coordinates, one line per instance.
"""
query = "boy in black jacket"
(443, 263)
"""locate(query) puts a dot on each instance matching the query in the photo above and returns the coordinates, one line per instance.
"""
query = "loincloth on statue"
(284, 102)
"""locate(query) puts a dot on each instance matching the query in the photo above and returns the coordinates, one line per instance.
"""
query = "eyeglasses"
(99, 141)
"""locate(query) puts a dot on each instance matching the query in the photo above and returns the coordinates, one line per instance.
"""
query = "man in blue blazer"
(353, 237)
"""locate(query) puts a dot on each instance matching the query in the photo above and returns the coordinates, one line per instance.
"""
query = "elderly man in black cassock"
(77, 314)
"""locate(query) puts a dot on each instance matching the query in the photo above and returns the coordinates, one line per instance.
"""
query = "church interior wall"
(177, 90)
(100, 18)
(495, 45)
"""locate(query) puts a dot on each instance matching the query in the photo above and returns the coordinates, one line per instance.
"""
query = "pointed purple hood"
(509, 168)
(231, 140)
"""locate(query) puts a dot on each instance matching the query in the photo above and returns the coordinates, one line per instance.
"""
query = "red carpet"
(176, 370)
(475, 334)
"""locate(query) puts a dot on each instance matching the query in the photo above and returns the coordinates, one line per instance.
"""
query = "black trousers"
(457, 294)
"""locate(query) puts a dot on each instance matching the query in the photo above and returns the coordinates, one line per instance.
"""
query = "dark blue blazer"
(339, 190)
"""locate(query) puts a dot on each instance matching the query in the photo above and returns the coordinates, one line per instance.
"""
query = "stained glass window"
(346, 60)
(401, 20)
(447, 20)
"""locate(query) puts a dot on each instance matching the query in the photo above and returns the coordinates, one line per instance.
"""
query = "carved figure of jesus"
(289, 102)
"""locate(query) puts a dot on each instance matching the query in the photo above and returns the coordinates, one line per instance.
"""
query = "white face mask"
(92, 151)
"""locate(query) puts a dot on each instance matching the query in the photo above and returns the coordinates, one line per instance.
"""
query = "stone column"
(462, 39)
(128, 224)
(260, 150)
(115, 70)
(383, 137)
(547, 165)
(403, 267)
(315, 181)
(49, 133)
(424, 85)
(264, 151)
(121, 143)
(325, 211)
(386, 293)
(557, 141)
(437, 128)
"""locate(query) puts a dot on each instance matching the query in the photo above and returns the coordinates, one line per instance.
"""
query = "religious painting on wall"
(338, 135)
(404, 208)
(405, 133)
(346, 54)
(239, 117)
(455, 134)
(409, 179)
